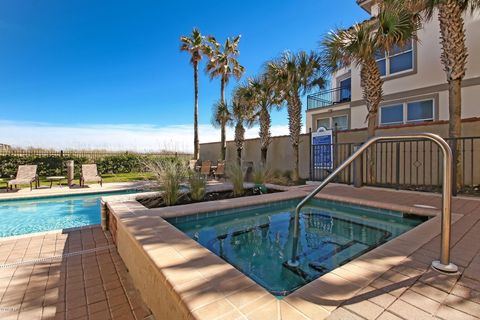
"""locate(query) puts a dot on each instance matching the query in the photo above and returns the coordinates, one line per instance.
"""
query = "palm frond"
(221, 115)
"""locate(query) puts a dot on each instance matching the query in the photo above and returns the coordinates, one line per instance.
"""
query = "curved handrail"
(444, 263)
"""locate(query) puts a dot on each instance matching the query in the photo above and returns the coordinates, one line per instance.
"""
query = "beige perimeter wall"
(279, 157)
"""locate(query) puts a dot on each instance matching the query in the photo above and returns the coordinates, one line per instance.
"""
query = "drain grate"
(53, 258)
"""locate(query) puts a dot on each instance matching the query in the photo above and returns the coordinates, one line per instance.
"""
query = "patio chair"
(220, 171)
(206, 167)
(26, 174)
(90, 174)
(192, 164)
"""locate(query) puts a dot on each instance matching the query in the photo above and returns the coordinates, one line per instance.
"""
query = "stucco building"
(415, 87)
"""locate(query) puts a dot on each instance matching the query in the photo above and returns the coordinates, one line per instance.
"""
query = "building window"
(408, 112)
(324, 122)
(399, 59)
(392, 114)
(339, 122)
(420, 111)
(345, 90)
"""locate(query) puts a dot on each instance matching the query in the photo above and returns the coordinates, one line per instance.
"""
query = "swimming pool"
(258, 240)
(51, 213)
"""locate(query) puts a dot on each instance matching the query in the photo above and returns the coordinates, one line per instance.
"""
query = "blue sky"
(116, 64)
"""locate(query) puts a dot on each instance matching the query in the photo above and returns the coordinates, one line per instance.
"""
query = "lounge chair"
(26, 174)
(206, 166)
(220, 171)
(90, 174)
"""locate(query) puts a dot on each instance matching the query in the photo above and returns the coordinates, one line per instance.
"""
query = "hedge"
(54, 165)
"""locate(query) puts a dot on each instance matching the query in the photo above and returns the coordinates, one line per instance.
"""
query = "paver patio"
(78, 274)
(66, 275)
(412, 290)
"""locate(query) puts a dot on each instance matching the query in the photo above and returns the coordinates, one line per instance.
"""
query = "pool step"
(321, 263)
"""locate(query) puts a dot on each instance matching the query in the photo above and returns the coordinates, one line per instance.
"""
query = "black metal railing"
(411, 165)
(328, 97)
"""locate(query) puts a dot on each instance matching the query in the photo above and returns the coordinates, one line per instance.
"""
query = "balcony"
(329, 98)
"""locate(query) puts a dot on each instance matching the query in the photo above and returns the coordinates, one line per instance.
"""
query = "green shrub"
(198, 186)
(47, 165)
(261, 174)
(169, 174)
(236, 174)
(54, 165)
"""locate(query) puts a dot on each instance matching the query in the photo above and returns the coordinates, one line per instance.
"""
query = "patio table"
(55, 178)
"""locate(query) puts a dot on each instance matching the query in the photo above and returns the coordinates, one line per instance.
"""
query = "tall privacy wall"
(279, 157)
(280, 152)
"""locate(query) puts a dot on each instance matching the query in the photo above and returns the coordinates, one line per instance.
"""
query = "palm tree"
(242, 115)
(223, 64)
(263, 97)
(195, 45)
(293, 75)
(220, 119)
(454, 59)
(394, 26)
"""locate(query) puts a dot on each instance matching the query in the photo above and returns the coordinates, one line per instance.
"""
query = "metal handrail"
(444, 264)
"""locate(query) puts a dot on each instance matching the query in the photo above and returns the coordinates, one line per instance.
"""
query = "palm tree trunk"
(265, 135)
(239, 156)
(264, 156)
(455, 127)
(295, 126)
(371, 83)
(222, 90)
(239, 140)
(223, 142)
(196, 144)
(295, 174)
(454, 59)
(223, 133)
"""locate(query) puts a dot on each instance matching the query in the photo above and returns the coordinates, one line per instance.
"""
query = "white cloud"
(134, 137)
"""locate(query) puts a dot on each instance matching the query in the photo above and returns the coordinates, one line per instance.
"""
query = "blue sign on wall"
(322, 149)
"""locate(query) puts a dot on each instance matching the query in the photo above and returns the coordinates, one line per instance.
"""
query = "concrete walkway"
(73, 274)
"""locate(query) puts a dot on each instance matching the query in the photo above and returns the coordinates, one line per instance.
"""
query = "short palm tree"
(263, 98)
(221, 118)
(223, 64)
(293, 75)
(242, 116)
(395, 25)
(454, 59)
(195, 45)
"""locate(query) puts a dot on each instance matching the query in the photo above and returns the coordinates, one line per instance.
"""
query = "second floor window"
(398, 60)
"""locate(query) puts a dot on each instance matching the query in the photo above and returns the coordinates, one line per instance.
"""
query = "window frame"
(330, 121)
(405, 113)
(387, 57)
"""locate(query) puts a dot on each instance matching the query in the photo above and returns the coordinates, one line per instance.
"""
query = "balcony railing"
(328, 98)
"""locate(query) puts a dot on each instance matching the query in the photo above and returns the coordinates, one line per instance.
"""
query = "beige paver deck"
(411, 290)
(75, 274)
(393, 281)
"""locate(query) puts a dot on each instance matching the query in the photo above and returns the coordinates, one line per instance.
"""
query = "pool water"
(50, 213)
(258, 241)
